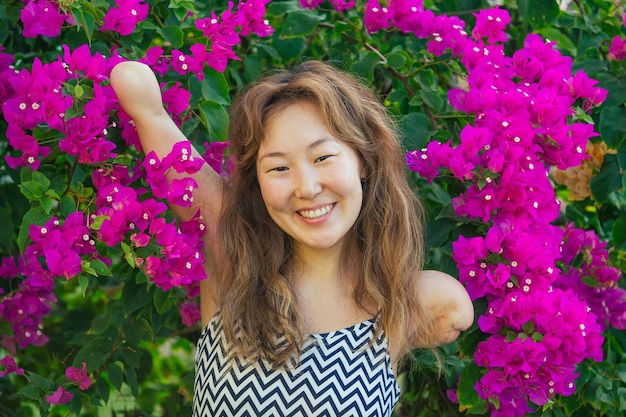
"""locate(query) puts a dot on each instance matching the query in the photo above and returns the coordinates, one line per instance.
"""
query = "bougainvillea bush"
(513, 119)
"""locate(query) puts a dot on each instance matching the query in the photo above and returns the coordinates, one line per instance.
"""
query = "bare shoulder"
(448, 302)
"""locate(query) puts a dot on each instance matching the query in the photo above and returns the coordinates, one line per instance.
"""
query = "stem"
(70, 176)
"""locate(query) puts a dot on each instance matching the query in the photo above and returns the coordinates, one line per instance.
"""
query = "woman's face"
(310, 181)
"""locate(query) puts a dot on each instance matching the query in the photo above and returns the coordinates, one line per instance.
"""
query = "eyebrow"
(312, 145)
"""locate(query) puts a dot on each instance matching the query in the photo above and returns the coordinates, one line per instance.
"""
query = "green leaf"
(41, 382)
(469, 341)
(133, 333)
(41, 179)
(364, 67)
(468, 397)
(32, 190)
(36, 216)
(47, 204)
(280, 8)
(103, 389)
(162, 301)
(173, 35)
(619, 232)
(432, 99)
(529, 327)
(100, 323)
(215, 88)
(621, 372)
(96, 223)
(7, 232)
(131, 358)
(539, 13)
(289, 49)
(416, 131)
(612, 125)
(607, 180)
(300, 23)
(78, 91)
(94, 354)
(134, 297)
(87, 20)
(616, 88)
(215, 118)
(31, 392)
(83, 281)
(396, 60)
(114, 370)
(100, 267)
(131, 379)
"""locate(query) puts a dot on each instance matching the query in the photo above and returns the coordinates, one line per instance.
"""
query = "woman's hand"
(137, 90)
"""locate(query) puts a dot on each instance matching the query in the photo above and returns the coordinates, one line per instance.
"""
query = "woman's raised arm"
(139, 95)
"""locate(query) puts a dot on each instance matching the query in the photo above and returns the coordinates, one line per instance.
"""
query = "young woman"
(314, 249)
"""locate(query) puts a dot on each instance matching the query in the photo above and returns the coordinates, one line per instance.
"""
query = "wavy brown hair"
(257, 299)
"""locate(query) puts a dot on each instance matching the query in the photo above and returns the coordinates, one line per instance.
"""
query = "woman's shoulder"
(448, 304)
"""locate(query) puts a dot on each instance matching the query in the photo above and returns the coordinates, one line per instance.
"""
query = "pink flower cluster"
(523, 106)
(43, 17)
(339, 5)
(71, 98)
(179, 190)
(46, 17)
(617, 48)
(124, 17)
(587, 271)
(38, 97)
(125, 214)
(224, 32)
(24, 309)
(73, 374)
(538, 338)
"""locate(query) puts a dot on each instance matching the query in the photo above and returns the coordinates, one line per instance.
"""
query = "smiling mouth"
(317, 213)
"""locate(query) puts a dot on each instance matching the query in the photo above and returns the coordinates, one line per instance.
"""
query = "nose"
(307, 183)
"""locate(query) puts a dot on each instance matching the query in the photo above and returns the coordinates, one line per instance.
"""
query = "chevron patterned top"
(340, 374)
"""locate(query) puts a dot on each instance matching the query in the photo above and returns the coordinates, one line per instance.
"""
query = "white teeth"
(314, 214)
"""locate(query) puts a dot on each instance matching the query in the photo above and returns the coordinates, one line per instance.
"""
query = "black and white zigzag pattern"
(339, 374)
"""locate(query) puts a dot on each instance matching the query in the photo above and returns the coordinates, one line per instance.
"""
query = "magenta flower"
(447, 33)
(155, 59)
(85, 135)
(79, 376)
(60, 396)
(176, 99)
(8, 269)
(253, 20)
(310, 4)
(342, 5)
(41, 17)
(8, 362)
(124, 17)
(82, 63)
(214, 156)
(113, 174)
(617, 50)
(406, 15)
(63, 263)
(490, 24)
(189, 313)
(429, 160)
(32, 153)
(376, 16)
